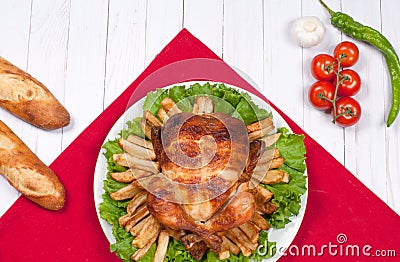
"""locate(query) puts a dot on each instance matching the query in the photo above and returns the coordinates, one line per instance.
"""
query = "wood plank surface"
(14, 42)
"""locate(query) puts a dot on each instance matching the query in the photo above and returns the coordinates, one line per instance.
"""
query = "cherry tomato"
(350, 83)
(350, 52)
(323, 67)
(349, 110)
(319, 89)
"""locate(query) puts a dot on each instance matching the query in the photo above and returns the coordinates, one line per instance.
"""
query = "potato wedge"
(275, 176)
(251, 231)
(224, 253)
(270, 139)
(170, 106)
(123, 220)
(140, 141)
(162, 246)
(120, 159)
(150, 230)
(233, 248)
(277, 162)
(140, 174)
(268, 155)
(273, 164)
(123, 177)
(267, 208)
(203, 105)
(136, 150)
(139, 226)
(130, 161)
(130, 175)
(259, 221)
(243, 237)
(263, 194)
(151, 119)
(126, 192)
(260, 133)
(285, 178)
(143, 251)
(145, 128)
(259, 125)
(239, 242)
(135, 218)
(138, 200)
(162, 114)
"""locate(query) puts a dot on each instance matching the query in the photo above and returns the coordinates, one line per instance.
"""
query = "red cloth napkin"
(337, 204)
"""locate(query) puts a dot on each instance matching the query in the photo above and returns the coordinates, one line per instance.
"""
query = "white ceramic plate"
(282, 237)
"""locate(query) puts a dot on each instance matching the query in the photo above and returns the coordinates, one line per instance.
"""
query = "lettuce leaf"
(198, 89)
(292, 148)
(110, 210)
(180, 96)
(225, 99)
(176, 252)
(287, 196)
(111, 148)
(133, 128)
(230, 95)
(150, 254)
(153, 99)
(123, 246)
(248, 111)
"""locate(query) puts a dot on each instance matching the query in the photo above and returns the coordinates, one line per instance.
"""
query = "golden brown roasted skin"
(203, 156)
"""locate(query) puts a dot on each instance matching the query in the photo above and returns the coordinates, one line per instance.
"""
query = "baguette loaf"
(24, 170)
(30, 100)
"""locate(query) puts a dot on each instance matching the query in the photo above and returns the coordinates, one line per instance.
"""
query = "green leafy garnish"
(133, 128)
(150, 254)
(112, 148)
(227, 100)
(153, 99)
(287, 196)
(180, 96)
(198, 89)
(177, 252)
(123, 246)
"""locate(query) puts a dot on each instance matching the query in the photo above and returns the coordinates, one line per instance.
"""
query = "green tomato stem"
(338, 80)
(347, 111)
(322, 96)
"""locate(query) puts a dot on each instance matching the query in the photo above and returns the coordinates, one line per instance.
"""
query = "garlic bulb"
(308, 31)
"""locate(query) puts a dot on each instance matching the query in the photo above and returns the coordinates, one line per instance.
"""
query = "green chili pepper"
(394, 70)
(356, 30)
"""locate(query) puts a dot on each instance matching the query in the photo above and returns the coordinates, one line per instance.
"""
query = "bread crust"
(27, 173)
(27, 98)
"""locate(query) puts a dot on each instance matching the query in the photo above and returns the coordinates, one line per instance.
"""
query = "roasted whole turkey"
(211, 199)
(198, 180)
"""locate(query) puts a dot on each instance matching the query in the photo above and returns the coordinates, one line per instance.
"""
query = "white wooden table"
(88, 52)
